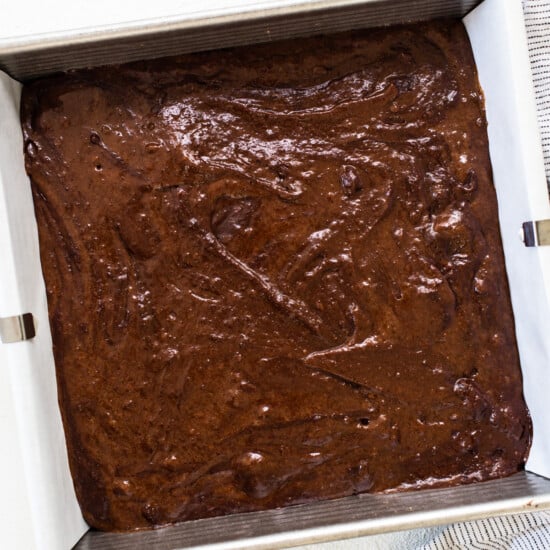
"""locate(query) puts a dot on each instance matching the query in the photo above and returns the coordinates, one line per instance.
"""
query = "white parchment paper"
(497, 34)
(39, 508)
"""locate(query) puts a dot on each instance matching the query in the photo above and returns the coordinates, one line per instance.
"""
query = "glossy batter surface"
(275, 275)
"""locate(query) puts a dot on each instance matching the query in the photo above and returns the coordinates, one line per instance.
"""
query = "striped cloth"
(517, 532)
(537, 23)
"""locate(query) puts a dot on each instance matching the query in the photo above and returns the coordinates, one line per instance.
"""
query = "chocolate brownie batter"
(275, 275)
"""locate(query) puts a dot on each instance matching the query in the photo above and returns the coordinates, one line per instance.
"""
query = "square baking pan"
(46, 511)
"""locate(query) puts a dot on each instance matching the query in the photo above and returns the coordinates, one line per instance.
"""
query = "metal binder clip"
(17, 328)
(536, 233)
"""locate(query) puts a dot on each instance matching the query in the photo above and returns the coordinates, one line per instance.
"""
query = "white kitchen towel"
(517, 532)
(537, 23)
